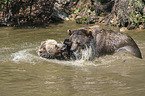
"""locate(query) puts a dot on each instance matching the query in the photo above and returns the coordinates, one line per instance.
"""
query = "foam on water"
(24, 56)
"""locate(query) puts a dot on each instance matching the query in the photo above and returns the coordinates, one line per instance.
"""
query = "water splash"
(30, 56)
(24, 56)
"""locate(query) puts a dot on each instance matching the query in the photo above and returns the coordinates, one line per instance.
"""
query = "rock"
(131, 27)
(58, 13)
(123, 29)
(142, 26)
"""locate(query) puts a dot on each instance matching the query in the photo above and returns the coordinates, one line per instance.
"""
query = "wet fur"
(50, 49)
(103, 42)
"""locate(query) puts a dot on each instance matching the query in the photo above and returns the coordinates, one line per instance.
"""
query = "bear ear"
(90, 33)
(69, 32)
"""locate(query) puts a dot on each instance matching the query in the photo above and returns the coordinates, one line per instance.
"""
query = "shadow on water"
(24, 73)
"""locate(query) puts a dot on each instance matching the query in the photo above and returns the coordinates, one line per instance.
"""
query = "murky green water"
(23, 73)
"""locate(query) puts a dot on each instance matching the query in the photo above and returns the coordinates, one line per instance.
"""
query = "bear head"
(48, 48)
(80, 38)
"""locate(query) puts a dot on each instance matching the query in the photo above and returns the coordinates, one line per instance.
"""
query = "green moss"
(82, 20)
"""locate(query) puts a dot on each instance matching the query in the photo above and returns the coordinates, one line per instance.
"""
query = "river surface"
(24, 73)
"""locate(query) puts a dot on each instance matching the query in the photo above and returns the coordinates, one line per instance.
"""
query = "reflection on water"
(23, 73)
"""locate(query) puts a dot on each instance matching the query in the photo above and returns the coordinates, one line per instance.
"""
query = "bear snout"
(73, 47)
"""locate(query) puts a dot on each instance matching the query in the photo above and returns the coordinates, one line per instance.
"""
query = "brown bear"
(64, 52)
(47, 48)
(50, 49)
(101, 41)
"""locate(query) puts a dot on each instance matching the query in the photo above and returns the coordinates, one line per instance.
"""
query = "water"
(23, 73)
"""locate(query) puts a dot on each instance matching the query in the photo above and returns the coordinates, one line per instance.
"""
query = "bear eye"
(56, 47)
